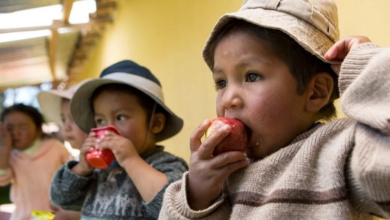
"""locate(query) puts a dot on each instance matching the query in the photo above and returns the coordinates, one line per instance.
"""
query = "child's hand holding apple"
(215, 159)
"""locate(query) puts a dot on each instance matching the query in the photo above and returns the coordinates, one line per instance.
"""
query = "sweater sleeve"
(171, 166)
(68, 190)
(6, 177)
(176, 206)
(365, 89)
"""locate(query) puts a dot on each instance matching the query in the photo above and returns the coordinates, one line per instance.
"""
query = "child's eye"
(99, 121)
(253, 77)
(220, 84)
(24, 127)
(121, 117)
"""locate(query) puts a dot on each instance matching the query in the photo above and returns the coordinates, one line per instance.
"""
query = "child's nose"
(111, 122)
(231, 98)
(14, 132)
(67, 126)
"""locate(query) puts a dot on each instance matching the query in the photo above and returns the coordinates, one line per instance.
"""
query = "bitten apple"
(237, 139)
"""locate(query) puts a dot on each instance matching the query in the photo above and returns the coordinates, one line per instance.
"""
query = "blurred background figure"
(28, 159)
(55, 105)
(44, 45)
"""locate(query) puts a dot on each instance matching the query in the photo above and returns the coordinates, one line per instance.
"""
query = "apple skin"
(237, 139)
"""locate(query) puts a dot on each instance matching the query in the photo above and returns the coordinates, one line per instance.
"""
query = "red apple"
(237, 139)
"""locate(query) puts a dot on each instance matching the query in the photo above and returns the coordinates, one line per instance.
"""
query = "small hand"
(340, 49)
(83, 168)
(207, 174)
(122, 147)
(66, 215)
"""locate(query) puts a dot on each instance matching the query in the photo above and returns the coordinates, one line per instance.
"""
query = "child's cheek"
(28, 137)
(79, 133)
(219, 106)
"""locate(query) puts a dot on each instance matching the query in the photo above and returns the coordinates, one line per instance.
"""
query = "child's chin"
(252, 154)
(74, 144)
(18, 147)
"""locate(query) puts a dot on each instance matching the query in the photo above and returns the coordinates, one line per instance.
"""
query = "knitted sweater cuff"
(190, 213)
(355, 62)
(73, 181)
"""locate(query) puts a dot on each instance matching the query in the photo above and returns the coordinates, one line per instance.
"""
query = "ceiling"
(27, 61)
(52, 50)
(7, 6)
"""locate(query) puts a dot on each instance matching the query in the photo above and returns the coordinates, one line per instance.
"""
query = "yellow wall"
(168, 37)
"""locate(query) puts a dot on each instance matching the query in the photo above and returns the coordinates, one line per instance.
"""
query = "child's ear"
(158, 123)
(319, 91)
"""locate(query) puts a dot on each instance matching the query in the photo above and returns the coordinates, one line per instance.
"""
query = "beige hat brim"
(305, 34)
(83, 114)
(50, 103)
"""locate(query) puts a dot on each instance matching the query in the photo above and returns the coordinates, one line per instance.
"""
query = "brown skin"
(340, 49)
(70, 131)
(17, 131)
(64, 215)
(22, 129)
(123, 111)
(257, 88)
(67, 215)
(5, 146)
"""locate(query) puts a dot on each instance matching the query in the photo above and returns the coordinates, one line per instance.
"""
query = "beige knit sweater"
(340, 170)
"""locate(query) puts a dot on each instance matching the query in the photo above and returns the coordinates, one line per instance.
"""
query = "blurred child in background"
(28, 160)
(55, 105)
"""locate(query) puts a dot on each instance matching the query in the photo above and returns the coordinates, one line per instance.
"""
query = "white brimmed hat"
(313, 24)
(50, 102)
(128, 73)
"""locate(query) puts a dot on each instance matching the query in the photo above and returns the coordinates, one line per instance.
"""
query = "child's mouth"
(69, 138)
(15, 141)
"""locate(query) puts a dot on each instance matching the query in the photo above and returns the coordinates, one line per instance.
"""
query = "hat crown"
(130, 67)
(322, 14)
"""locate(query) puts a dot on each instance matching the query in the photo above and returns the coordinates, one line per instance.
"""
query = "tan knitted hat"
(313, 24)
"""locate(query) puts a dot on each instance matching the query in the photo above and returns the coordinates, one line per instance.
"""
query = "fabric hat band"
(146, 84)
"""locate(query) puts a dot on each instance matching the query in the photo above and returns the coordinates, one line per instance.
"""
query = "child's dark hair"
(302, 64)
(30, 111)
(144, 100)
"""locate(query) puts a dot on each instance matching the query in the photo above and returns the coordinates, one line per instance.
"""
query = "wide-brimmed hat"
(50, 102)
(128, 73)
(313, 24)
